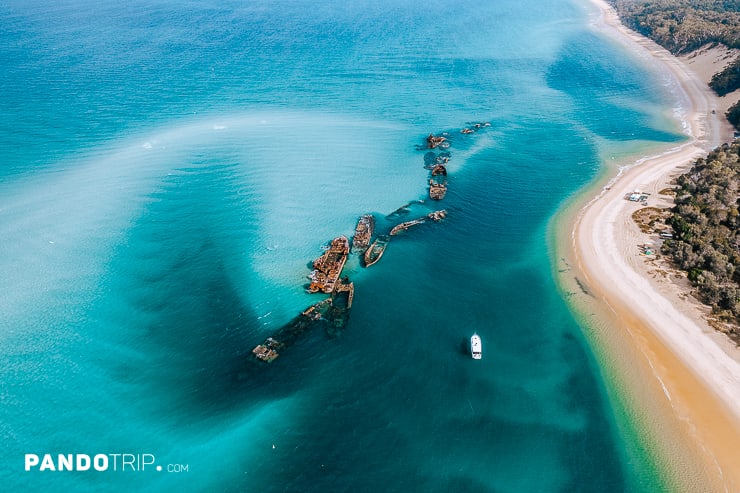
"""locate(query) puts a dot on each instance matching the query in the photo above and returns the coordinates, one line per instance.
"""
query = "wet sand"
(676, 364)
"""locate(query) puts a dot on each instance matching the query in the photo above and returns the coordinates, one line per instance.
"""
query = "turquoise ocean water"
(170, 168)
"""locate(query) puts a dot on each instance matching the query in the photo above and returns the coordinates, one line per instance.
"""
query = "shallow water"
(170, 170)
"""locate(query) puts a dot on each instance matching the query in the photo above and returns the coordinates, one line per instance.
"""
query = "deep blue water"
(169, 170)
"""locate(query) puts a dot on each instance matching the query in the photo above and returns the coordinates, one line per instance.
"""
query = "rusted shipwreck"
(341, 303)
(363, 233)
(328, 267)
(434, 216)
(438, 182)
(376, 250)
(331, 313)
(434, 141)
(286, 335)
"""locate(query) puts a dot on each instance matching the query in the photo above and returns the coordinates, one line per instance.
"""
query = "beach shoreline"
(695, 371)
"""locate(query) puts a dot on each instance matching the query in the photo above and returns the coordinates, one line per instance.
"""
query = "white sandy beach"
(644, 302)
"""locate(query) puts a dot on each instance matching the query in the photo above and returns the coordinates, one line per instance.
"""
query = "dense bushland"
(706, 229)
(682, 26)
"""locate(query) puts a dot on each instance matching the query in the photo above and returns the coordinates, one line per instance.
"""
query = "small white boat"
(476, 348)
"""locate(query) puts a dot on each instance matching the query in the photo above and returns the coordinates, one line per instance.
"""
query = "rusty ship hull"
(438, 182)
(328, 267)
(376, 250)
(363, 233)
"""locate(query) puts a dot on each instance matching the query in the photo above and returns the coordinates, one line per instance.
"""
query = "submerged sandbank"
(670, 361)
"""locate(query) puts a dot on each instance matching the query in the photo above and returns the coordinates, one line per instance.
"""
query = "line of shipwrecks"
(333, 312)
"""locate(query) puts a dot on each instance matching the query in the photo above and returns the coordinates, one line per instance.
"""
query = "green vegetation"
(733, 115)
(682, 26)
(728, 80)
(706, 229)
(706, 216)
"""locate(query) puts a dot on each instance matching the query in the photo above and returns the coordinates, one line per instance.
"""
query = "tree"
(706, 228)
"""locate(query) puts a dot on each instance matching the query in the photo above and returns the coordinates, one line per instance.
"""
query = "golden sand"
(679, 376)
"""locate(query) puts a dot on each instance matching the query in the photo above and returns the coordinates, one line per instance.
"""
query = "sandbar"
(693, 371)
